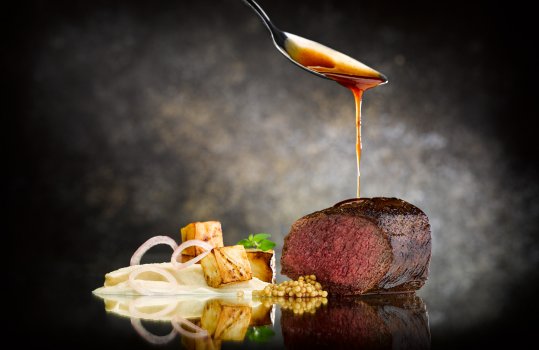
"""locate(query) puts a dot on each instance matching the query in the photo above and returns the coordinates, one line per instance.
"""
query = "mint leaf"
(259, 237)
(259, 240)
(246, 243)
(266, 245)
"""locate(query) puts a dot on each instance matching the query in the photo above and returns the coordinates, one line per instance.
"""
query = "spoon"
(318, 59)
(279, 37)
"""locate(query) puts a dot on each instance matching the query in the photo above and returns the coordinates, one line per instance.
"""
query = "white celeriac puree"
(190, 281)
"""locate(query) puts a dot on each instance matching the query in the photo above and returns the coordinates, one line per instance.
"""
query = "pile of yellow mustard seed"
(304, 287)
(297, 305)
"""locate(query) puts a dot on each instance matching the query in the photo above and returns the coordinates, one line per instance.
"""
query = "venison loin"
(361, 246)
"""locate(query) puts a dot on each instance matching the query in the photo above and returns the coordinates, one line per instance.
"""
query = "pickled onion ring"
(149, 336)
(185, 245)
(173, 283)
(197, 332)
(137, 255)
(135, 312)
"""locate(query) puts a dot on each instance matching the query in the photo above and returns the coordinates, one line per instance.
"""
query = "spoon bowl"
(316, 58)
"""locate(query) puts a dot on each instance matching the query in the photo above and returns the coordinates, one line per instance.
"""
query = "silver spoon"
(279, 37)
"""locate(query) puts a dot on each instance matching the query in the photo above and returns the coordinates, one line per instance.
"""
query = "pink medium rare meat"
(361, 246)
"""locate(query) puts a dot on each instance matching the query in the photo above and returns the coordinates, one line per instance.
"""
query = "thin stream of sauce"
(357, 97)
(357, 85)
(341, 68)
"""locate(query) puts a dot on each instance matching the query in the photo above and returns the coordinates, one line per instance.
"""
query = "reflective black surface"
(67, 315)
(198, 322)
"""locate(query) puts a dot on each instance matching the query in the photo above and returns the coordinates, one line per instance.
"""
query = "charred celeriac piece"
(262, 264)
(209, 231)
(226, 265)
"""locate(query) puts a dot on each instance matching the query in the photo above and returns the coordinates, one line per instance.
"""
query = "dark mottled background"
(130, 119)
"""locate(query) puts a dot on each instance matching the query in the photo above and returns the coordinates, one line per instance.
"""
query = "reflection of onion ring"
(190, 243)
(135, 312)
(149, 336)
(137, 255)
(172, 282)
(197, 332)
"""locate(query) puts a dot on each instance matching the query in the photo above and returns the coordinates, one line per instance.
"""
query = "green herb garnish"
(260, 334)
(258, 241)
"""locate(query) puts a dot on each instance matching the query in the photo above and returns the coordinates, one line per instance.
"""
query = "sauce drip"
(357, 85)
(341, 68)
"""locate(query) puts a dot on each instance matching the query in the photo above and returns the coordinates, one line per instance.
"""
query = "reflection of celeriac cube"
(262, 264)
(204, 343)
(262, 315)
(226, 265)
(226, 321)
(209, 231)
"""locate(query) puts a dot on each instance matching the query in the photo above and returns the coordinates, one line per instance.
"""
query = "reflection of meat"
(367, 245)
(374, 322)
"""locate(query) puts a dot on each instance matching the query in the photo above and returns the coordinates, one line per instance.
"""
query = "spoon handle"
(277, 34)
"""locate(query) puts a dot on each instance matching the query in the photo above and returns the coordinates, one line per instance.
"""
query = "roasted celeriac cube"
(209, 231)
(226, 320)
(262, 264)
(226, 265)
(185, 258)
